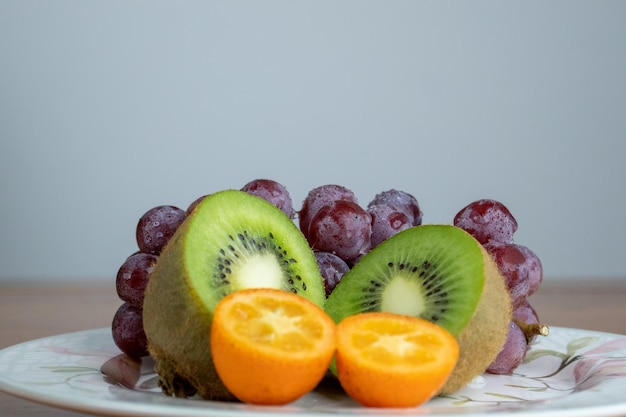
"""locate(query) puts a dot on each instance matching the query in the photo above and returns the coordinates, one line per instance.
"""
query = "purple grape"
(512, 264)
(512, 353)
(526, 313)
(127, 331)
(402, 201)
(319, 197)
(194, 204)
(132, 277)
(343, 228)
(332, 268)
(487, 220)
(535, 269)
(527, 319)
(273, 192)
(387, 221)
(157, 226)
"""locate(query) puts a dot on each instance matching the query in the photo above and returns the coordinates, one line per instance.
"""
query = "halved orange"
(392, 360)
(270, 346)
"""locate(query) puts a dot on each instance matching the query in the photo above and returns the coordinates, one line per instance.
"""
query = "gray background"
(108, 108)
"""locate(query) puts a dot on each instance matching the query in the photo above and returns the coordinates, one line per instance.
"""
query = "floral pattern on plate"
(570, 372)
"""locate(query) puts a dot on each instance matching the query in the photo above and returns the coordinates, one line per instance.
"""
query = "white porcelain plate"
(568, 373)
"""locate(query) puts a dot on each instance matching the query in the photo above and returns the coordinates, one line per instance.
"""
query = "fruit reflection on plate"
(571, 372)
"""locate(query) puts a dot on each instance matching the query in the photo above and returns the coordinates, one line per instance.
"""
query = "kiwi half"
(439, 273)
(432, 272)
(231, 241)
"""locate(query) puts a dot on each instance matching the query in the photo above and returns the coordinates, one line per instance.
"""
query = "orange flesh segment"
(275, 325)
(393, 344)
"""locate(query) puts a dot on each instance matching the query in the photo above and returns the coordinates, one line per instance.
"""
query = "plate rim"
(129, 408)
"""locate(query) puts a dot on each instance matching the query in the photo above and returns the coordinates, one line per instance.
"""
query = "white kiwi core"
(259, 270)
(403, 296)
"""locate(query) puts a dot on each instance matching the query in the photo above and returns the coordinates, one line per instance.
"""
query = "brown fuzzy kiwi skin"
(482, 339)
(178, 324)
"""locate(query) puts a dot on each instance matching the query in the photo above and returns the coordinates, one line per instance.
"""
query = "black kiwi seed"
(424, 273)
(245, 245)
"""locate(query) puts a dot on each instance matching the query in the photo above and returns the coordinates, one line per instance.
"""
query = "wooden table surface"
(33, 311)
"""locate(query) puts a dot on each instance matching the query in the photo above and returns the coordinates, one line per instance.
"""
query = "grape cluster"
(153, 231)
(340, 231)
(493, 225)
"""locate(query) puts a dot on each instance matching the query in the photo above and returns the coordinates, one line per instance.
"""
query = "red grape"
(535, 269)
(194, 204)
(387, 220)
(527, 319)
(343, 228)
(487, 220)
(402, 201)
(526, 313)
(319, 197)
(157, 226)
(272, 191)
(127, 331)
(332, 268)
(512, 353)
(512, 264)
(132, 277)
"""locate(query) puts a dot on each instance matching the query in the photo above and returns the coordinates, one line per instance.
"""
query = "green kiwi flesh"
(231, 241)
(432, 271)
